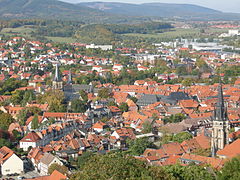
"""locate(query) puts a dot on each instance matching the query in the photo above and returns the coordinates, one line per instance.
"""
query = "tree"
(78, 106)
(134, 99)
(4, 138)
(17, 135)
(190, 172)
(84, 158)
(113, 166)
(112, 103)
(5, 120)
(231, 169)
(187, 82)
(55, 99)
(84, 96)
(26, 113)
(61, 168)
(182, 136)
(35, 123)
(174, 118)
(123, 107)
(138, 146)
(147, 127)
(104, 93)
(4, 142)
(22, 97)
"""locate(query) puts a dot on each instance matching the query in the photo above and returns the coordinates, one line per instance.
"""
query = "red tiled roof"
(230, 150)
(30, 137)
(5, 153)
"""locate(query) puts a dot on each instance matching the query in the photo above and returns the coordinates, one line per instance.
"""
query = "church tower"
(69, 77)
(57, 81)
(220, 124)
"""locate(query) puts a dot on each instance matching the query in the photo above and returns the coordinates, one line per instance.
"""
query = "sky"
(222, 5)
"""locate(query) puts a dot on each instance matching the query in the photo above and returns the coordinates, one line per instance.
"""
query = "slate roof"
(47, 158)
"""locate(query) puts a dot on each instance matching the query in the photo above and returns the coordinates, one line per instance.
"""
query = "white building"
(117, 67)
(97, 68)
(102, 47)
(30, 140)
(46, 161)
(233, 32)
(10, 162)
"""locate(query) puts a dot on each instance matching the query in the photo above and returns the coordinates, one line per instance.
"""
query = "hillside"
(151, 9)
(165, 10)
(53, 9)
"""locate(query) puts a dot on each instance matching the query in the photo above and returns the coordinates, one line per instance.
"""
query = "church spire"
(57, 77)
(220, 127)
(70, 77)
(220, 111)
(57, 81)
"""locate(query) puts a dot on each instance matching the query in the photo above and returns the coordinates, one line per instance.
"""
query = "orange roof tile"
(230, 150)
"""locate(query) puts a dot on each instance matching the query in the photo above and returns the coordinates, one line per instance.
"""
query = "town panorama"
(115, 91)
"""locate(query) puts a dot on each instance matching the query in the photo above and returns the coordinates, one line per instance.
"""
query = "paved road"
(28, 175)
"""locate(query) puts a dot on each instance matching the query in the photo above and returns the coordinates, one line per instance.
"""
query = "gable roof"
(47, 158)
(214, 162)
(173, 148)
(31, 137)
(230, 150)
(5, 153)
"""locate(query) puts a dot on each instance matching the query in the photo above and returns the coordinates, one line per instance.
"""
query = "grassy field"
(20, 31)
(26, 31)
(179, 33)
(176, 33)
(62, 39)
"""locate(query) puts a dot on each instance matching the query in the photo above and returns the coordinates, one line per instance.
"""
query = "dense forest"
(96, 33)
(86, 33)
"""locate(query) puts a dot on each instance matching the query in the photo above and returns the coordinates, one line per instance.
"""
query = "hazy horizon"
(222, 5)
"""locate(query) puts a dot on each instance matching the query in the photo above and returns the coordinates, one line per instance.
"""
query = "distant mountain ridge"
(151, 9)
(49, 9)
(103, 12)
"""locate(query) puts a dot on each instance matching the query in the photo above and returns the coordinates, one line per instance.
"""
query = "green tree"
(147, 127)
(78, 106)
(134, 99)
(182, 136)
(22, 97)
(104, 93)
(174, 118)
(231, 170)
(112, 103)
(190, 172)
(26, 113)
(84, 158)
(114, 166)
(35, 123)
(4, 142)
(123, 107)
(55, 99)
(84, 96)
(187, 82)
(61, 168)
(138, 146)
(5, 120)
(17, 135)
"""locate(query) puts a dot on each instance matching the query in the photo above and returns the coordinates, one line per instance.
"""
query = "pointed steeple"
(220, 111)
(57, 77)
(220, 128)
(70, 77)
